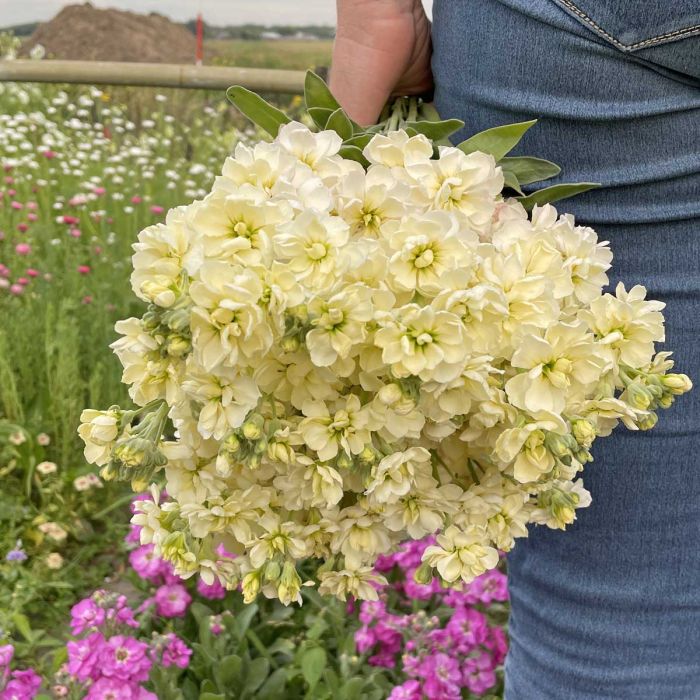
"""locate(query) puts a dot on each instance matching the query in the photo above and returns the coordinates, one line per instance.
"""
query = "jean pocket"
(663, 33)
(635, 25)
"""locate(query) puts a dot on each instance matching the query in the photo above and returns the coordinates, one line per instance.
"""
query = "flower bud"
(253, 427)
(177, 345)
(390, 394)
(344, 461)
(423, 574)
(290, 343)
(647, 421)
(637, 396)
(250, 586)
(272, 571)
(231, 444)
(583, 431)
(677, 383)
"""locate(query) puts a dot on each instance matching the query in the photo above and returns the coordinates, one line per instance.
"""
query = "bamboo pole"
(151, 74)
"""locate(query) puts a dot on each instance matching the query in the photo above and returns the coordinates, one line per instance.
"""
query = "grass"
(285, 54)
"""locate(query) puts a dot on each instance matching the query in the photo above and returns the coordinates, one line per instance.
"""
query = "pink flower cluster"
(17, 684)
(441, 650)
(107, 660)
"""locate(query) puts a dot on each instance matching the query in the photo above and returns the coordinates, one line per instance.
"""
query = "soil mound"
(85, 33)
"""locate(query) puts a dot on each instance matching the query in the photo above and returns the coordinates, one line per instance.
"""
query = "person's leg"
(611, 607)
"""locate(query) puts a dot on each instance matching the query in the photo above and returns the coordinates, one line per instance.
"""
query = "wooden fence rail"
(152, 74)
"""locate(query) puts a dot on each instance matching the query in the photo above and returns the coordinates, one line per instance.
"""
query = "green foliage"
(257, 110)
(498, 141)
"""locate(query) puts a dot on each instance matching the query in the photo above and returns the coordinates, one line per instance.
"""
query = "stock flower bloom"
(125, 658)
(86, 615)
(23, 685)
(172, 600)
(460, 555)
(146, 564)
(176, 652)
(84, 656)
(214, 591)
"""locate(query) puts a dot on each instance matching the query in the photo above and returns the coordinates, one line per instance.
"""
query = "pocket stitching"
(678, 33)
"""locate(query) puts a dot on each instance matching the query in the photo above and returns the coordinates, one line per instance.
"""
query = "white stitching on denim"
(629, 47)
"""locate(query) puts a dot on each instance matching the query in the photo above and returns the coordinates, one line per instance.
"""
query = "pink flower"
(32, 216)
(493, 585)
(99, 190)
(113, 689)
(410, 690)
(136, 199)
(84, 269)
(215, 591)
(478, 673)
(172, 600)
(468, 628)
(125, 658)
(24, 685)
(83, 656)
(147, 566)
(24, 281)
(156, 209)
(442, 677)
(70, 220)
(85, 615)
(176, 652)
(23, 249)
(23, 228)
(7, 651)
(16, 205)
(16, 289)
(86, 299)
(31, 272)
(49, 155)
(33, 206)
(75, 232)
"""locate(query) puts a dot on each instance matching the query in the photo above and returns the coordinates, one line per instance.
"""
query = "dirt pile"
(83, 32)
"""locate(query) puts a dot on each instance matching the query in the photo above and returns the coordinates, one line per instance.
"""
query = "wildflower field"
(85, 610)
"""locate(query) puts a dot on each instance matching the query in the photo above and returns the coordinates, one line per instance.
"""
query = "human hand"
(382, 48)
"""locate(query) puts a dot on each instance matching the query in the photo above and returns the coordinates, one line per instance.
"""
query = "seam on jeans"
(676, 34)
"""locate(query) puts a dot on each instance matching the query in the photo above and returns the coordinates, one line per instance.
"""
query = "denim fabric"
(609, 609)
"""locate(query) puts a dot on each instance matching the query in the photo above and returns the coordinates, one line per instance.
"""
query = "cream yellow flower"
(420, 341)
(461, 554)
(346, 429)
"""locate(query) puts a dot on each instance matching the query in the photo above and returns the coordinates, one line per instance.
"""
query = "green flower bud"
(230, 444)
(423, 574)
(253, 427)
(677, 383)
(272, 571)
(344, 461)
(583, 432)
(290, 343)
(177, 345)
(637, 396)
(647, 421)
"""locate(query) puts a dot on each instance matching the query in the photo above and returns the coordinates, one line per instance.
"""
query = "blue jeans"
(611, 607)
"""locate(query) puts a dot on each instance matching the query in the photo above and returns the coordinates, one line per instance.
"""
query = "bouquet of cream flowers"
(367, 335)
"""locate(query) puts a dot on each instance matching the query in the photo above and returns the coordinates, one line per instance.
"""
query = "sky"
(220, 12)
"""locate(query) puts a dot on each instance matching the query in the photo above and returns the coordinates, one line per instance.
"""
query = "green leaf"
(23, 626)
(528, 170)
(352, 689)
(555, 193)
(313, 661)
(212, 696)
(243, 619)
(274, 686)
(257, 110)
(340, 123)
(320, 115)
(436, 131)
(354, 153)
(359, 140)
(317, 93)
(497, 141)
(228, 671)
(511, 181)
(257, 673)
